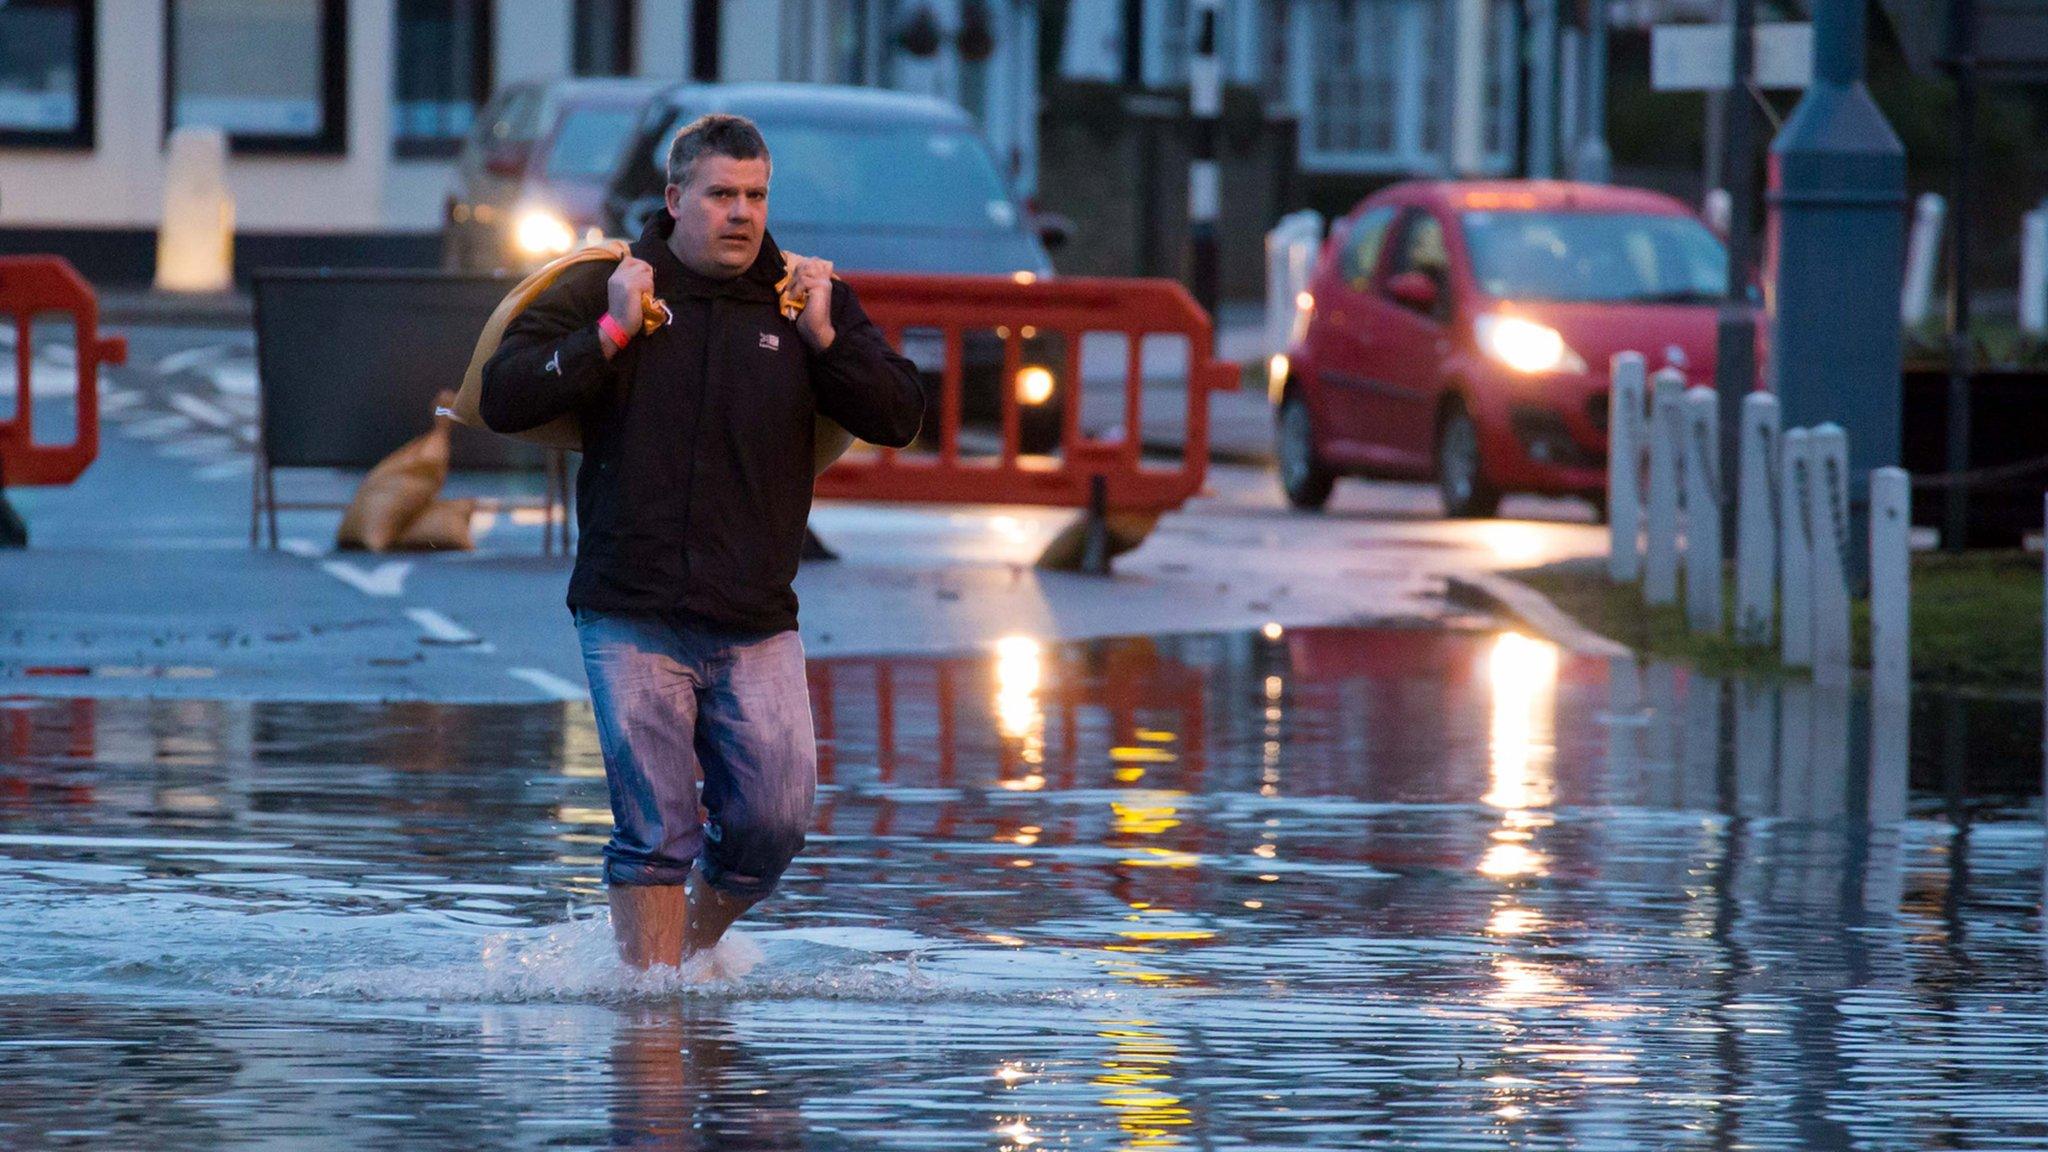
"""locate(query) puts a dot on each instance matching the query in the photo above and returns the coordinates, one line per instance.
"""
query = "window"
(46, 73)
(1421, 249)
(442, 74)
(1595, 256)
(603, 37)
(271, 73)
(1362, 247)
(588, 141)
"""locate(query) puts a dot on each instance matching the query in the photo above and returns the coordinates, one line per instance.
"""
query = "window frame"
(482, 91)
(83, 136)
(331, 140)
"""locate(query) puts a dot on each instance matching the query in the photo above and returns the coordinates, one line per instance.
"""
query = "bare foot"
(648, 920)
(711, 912)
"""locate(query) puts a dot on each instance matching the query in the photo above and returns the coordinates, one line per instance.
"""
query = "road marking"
(234, 379)
(556, 687)
(158, 428)
(112, 402)
(201, 411)
(388, 579)
(226, 469)
(299, 547)
(191, 358)
(441, 628)
(213, 445)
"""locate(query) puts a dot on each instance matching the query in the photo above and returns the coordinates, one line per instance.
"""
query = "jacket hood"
(672, 278)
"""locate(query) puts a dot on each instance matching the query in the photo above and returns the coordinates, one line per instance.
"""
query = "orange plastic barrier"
(32, 285)
(956, 305)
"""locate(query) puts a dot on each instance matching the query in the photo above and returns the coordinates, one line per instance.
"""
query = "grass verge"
(1977, 621)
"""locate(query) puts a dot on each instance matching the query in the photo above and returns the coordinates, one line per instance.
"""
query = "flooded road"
(1307, 889)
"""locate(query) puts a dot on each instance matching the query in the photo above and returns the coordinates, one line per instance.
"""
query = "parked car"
(878, 181)
(1462, 331)
(531, 177)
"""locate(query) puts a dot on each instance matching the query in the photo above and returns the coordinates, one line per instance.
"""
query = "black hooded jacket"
(697, 438)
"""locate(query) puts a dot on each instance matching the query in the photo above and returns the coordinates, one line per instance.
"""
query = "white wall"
(531, 39)
(661, 40)
(749, 40)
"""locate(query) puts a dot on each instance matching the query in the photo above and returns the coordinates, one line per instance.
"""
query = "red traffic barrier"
(1067, 309)
(31, 286)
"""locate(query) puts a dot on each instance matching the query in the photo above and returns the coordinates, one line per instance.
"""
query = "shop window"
(46, 73)
(272, 74)
(442, 74)
(603, 37)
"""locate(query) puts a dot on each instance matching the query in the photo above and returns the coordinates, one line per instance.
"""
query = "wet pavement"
(1325, 888)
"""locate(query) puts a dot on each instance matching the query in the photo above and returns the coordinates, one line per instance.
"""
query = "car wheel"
(1460, 471)
(1305, 481)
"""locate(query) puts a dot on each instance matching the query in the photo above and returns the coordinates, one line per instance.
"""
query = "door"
(1403, 365)
(1340, 336)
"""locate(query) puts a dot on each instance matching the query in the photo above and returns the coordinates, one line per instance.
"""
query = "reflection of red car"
(1462, 331)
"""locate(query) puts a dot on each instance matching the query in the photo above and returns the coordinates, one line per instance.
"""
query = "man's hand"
(631, 281)
(814, 323)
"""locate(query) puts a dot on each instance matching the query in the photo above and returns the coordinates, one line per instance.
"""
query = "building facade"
(343, 116)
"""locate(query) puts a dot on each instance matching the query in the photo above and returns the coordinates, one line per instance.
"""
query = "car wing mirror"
(1054, 230)
(1414, 290)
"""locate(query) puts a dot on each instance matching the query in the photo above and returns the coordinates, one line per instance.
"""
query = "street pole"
(1838, 221)
(1955, 520)
(1543, 92)
(1595, 160)
(1735, 333)
(1205, 104)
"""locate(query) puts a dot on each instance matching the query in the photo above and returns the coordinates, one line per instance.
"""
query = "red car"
(1462, 331)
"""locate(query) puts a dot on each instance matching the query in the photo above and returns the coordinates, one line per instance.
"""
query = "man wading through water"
(693, 494)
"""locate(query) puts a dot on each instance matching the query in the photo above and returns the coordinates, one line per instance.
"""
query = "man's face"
(721, 214)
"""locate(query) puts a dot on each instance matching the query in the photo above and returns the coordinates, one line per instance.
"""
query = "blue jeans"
(674, 699)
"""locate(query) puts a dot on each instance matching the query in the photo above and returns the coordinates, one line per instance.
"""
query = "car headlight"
(540, 232)
(1525, 346)
(1034, 384)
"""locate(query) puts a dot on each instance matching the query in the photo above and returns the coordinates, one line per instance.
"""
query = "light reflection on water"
(1288, 890)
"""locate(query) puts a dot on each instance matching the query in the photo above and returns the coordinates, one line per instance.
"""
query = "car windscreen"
(587, 143)
(881, 176)
(1638, 257)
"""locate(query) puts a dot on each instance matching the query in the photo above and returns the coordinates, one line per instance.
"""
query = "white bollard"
(1756, 520)
(1795, 550)
(2034, 272)
(1290, 261)
(1891, 494)
(1625, 468)
(1923, 248)
(1828, 496)
(1660, 545)
(1702, 457)
(195, 246)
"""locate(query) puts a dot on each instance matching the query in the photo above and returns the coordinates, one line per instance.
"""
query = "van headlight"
(1034, 384)
(1524, 345)
(540, 232)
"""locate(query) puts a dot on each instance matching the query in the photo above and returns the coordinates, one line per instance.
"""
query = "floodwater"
(1323, 889)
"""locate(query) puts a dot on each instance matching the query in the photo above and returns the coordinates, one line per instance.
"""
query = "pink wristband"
(611, 328)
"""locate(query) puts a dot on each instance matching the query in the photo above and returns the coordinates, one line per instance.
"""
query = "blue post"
(1838, 229)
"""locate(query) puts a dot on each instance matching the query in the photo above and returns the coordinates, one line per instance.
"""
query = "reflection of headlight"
(1276, 376)
(1034, 384)
(540, 232)
(1525, 345)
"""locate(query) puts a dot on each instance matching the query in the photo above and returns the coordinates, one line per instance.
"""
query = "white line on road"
(298, 547)
(191, 358)
(387, 579)
(112, 402)
(197, 446)
(201, 411)
(158, 428)
(226, 469)
(439, 627)
(556, 687)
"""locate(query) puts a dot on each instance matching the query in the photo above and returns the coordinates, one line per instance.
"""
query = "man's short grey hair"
(713, 134)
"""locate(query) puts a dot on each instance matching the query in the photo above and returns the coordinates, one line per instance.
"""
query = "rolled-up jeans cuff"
(646, 873)
(744, 887)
